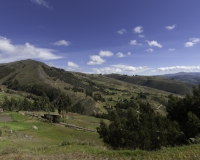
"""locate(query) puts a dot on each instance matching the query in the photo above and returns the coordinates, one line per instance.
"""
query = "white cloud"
(133, 69)
(138, 29)
(122, 31)
(120, 55)
(62, 43)
(51, 64)
(120, 68)
(95, 59)
(170, 27)
(171, 49)
(105, 53)
(141, 36)
(42, 3)
(149, 50)
(106, 70)
(72, 64)
(134, 42)
(192, 42)
(154, 44)
(10, 52)
(179, 69)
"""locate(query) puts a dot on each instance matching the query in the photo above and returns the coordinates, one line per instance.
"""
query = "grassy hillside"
(106, 91)
(191, 78)
(160, 83)
(56, 142)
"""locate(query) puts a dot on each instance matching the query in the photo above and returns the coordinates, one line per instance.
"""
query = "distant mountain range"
(191, 78)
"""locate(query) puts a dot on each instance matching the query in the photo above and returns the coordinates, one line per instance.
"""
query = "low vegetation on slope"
(137, 117)
(137, 126)
(19, 140)
(160, 83)
(95, 93)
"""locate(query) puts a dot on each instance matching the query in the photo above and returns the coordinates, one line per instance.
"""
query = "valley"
(91, 98)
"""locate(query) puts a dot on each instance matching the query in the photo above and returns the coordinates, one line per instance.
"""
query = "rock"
(192, 140)
(34, 127)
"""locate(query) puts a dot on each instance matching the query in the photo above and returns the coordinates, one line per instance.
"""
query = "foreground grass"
(56, 142)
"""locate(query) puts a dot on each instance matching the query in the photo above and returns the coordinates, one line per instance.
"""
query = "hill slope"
(160, 83)
(192, 78)
(96, 93)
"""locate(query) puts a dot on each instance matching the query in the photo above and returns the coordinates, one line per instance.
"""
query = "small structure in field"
(55, 118)
(1, 109)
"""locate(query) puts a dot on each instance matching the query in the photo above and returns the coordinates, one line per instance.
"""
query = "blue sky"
(144, 37)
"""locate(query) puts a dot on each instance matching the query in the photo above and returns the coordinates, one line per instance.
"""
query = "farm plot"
(5, 118)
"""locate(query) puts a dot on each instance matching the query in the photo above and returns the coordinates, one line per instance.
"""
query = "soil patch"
(5, 118)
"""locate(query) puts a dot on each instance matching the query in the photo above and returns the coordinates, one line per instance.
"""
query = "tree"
(145, 130)
(78, 108)
(63, 102)
(192, 125)
(186, 112)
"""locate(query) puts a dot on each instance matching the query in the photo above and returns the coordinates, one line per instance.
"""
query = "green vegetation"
(96, 93)
(138, 114)
(186, 112)
(56, 142)
(154, 82)
(4, 71)
(138, 127)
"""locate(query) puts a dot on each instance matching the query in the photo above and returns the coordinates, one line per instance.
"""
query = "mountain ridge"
(97, 93)
(191, 78)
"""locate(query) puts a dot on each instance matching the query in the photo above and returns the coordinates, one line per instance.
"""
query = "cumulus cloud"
(171, 49)
(141, 36)
(72, 64)
(96, 60)
(105, 53)
(106, 70)
(62, 43)
(170, 27)
(42, 3)
(192, 42)
(179, 69)
(134, 42)
(120, 68)
(138, 29)
(119, 54)
(154, 44)
(149, 50)
(122, 31)
(10, 52)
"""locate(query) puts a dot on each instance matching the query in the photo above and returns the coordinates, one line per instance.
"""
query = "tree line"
(137, 126)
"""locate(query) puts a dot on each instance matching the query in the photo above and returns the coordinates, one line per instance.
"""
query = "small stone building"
(53, 117)
(1, 109)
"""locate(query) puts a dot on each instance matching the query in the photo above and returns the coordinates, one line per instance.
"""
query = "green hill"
(96, 93)
(157, 82)
(191, 78)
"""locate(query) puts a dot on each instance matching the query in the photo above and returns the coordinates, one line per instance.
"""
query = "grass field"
(15, 96)
(19, 140)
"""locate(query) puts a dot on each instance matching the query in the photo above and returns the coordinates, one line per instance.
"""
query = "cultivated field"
(5, 118)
